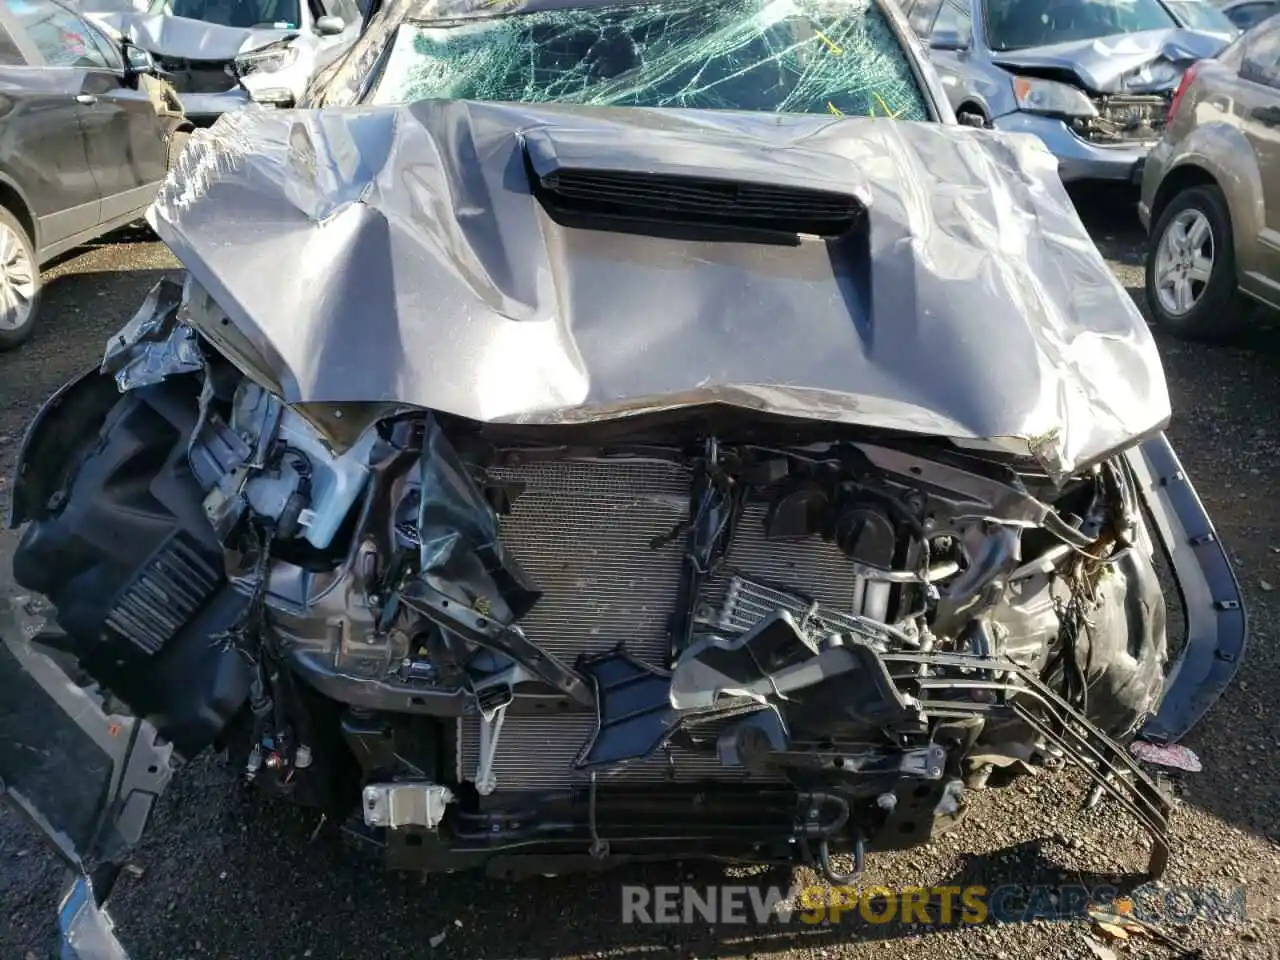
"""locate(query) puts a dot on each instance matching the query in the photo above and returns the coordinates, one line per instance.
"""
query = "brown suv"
(1211, 192)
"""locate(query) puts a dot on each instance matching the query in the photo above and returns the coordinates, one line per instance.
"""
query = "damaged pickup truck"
(585, 484)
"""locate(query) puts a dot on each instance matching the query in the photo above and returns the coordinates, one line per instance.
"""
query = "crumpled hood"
(1125, 63)
(168, 36)
(398, 255)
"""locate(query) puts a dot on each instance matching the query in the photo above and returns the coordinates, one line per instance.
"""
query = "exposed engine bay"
(461, 543)
(1125, 118)
(467, 632)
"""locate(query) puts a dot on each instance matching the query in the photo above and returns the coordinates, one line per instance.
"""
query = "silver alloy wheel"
(1184, 262)
(17, 280)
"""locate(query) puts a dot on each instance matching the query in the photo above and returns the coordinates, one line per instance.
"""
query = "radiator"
(585, 532)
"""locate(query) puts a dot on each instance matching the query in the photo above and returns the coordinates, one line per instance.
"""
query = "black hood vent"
(594, 197)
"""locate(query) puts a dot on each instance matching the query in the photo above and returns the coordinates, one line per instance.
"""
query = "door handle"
(88, 99)
(1270, 116)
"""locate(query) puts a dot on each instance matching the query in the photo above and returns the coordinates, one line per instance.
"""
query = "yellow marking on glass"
(887, 112)
(831, 44)
(834, 109)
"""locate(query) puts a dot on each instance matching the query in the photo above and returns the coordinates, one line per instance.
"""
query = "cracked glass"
(790, 56)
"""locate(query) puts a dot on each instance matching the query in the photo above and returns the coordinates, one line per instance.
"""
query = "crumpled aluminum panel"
(1123, 62)
(412, 266)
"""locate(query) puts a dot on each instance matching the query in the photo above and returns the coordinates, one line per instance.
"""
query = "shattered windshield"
(1016, 24)
(233, 13)
(793, 56)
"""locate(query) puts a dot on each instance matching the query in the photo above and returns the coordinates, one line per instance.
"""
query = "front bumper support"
(1217, 628)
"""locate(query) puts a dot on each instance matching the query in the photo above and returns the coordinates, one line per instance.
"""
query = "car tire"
(177, 143)
(1194, 225)
(19, 283)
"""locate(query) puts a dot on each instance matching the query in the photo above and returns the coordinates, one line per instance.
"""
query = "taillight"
(1180, 93)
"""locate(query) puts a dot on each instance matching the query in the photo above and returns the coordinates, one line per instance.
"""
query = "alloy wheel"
(1184, 262)
(17, 280)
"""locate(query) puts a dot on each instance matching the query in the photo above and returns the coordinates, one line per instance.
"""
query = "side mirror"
(138, 60)
(329, 26)
(948, 40)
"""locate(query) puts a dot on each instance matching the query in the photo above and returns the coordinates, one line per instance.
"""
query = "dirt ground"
(221, 877)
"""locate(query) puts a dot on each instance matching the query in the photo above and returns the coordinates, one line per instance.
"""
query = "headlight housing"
(267, 60)
(1050, 98)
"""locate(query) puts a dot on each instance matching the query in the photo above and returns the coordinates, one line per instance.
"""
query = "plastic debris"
(1166, 755)
(1099, 950)
(1111, 931)
(436, 940)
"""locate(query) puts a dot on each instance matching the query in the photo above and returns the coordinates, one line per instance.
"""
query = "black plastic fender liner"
(1217, 626)
(129, 560)
(78, 408)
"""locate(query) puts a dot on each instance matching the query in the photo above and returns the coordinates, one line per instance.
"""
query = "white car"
(223, 54)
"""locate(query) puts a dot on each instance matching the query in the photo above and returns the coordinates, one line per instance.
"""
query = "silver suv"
(1211, 192)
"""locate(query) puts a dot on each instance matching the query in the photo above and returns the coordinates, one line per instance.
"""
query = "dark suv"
(86, 136)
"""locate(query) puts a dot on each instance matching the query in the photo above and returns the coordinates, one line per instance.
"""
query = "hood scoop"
(613, 189)
(600, 195)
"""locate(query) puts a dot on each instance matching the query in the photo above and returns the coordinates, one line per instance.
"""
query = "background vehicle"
(1091, 79)
(222, 54)
(1211, 193)
(87, 136)
(401, 56)
(1246, 13)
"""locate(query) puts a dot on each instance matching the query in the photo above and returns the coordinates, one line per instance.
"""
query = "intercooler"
(595, 536)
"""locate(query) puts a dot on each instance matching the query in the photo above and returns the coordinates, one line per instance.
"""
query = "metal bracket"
(492, 699)
(490, 729)
(406, 804)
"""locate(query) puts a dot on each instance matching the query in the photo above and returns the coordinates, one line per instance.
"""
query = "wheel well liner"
(11, 199)
(1176, 180)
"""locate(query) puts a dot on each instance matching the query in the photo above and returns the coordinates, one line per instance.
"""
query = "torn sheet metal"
(86, 930)
(183, 37)
(412, 265)
(1166, 755)
(1124, 63)
(153, 345)
(457, 531)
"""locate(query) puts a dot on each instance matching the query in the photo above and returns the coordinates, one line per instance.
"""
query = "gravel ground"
(229, 878)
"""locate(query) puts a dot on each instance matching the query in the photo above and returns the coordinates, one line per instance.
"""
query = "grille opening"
(687, 205)
(1125, 118)
(197, 76)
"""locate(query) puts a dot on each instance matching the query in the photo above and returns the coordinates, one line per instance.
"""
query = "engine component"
(286, 474)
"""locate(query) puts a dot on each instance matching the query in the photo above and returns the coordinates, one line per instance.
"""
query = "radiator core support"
(593, 534)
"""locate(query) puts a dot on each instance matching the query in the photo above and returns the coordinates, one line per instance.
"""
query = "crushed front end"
(769, 619)
(705, 635)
